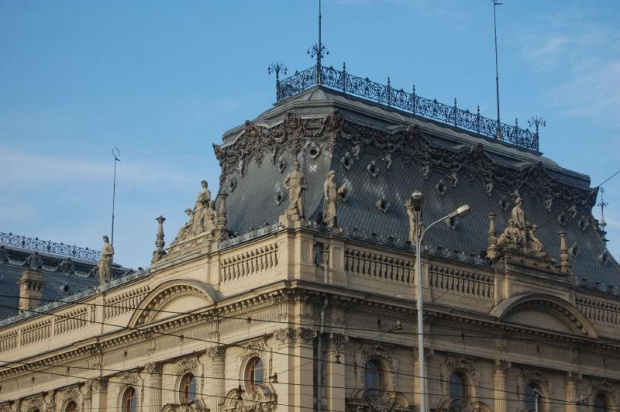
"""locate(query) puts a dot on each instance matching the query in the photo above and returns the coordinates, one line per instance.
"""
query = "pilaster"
(499, 385)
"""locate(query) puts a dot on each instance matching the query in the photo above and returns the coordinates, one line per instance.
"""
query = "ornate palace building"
(293, 288)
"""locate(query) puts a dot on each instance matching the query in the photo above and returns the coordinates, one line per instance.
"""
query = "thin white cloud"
(24, 168)
(586, 59)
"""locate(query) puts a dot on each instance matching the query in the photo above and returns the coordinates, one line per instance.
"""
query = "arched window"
(533, 399)
(458, 387)
(130, 400)
(600, 404)
(373, 375)
(254, 374)
(71, 407)
(188, 389)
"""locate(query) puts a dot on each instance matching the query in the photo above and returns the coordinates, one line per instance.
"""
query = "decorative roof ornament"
(276, 68)
(518, 237)
(602, 223)
(564, 265)
(159, 240)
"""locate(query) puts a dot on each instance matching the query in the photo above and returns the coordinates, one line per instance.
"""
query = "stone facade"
(244, 322)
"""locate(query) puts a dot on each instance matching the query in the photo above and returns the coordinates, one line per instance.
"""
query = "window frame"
(129, 401)
(378, 374)
(250, 373)
(72, 405)
(531, 390)
(185, 389)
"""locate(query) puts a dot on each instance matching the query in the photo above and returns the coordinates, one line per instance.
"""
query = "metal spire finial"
(499, 127)
(276, 68)
(116, 153)
(318, 50)
(536, 122)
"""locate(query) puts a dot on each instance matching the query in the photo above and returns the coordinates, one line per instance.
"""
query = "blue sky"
(163, 80)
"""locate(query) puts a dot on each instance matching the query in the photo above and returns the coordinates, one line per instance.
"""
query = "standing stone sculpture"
(330, 195)
(295, 183)
(203, 219)
(105, 261)
(416, 225)
(518, 217)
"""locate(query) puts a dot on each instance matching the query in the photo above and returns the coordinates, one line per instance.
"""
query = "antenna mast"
(116, 153)
(499, 127)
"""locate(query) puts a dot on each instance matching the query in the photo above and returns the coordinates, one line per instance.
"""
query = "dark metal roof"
(252, 200)
(64, 276)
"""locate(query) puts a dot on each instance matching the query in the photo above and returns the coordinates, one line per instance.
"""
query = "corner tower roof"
(382, 155)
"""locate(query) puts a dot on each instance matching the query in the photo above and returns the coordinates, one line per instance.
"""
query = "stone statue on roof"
(518, 217)
(330, 197)
(187, 227)
(204, 196)
(519, 234)
(105, 261)
(415, 221)
(203, 218)
(295, 183)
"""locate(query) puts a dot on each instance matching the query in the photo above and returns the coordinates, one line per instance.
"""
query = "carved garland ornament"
(292, 336)
(297, 134)
(187, 365)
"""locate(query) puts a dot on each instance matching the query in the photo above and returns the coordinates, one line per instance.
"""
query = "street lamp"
(416, 201)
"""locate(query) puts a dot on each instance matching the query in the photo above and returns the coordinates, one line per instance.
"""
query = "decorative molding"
(292, 336)
(187, 365)
(337, 340)
(217, 353)
(409, 145)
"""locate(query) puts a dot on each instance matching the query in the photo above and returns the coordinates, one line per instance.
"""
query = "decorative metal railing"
(48, 246)
(408, 102)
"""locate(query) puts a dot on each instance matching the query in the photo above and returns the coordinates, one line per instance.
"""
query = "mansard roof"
(63, 275)
(382, 155)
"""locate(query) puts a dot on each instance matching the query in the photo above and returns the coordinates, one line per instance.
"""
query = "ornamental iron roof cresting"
(47, 246)
(411, 103)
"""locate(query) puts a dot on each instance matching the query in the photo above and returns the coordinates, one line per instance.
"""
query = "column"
(152, 400)
(98, 389)
(571, 392)
(296, 357)
(334, 372)
(499, 385)
(217, 390)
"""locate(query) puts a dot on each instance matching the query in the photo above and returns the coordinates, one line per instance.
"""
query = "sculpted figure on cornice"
(330, 197)
(295, 183)
(105, 261)
(519, 235)
(202, 218)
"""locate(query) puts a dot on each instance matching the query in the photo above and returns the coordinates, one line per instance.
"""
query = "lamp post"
(416, 200)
